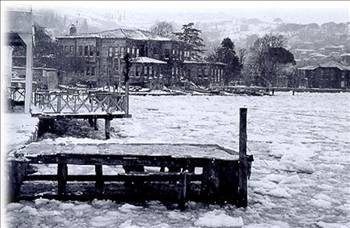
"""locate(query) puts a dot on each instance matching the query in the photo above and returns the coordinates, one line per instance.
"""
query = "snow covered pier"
(134, 172)
(90, 105)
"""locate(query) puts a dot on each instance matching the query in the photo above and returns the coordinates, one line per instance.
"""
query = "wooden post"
(183, 191)
(29, 71)
(91, 122)
(99, 180)
(107, 128)
(62, 172)
(127, 98)
(95, 124)
(243, 198)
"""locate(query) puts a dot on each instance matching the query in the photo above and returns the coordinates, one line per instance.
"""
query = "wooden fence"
(83, 102)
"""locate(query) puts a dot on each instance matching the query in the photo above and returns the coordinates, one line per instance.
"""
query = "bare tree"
(267, 55)
(163, 28)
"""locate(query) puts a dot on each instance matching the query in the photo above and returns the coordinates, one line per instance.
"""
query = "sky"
(297, 12)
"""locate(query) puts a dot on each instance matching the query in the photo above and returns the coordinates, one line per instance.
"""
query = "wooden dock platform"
(168, 172)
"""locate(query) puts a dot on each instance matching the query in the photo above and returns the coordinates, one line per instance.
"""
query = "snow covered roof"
(330, 64)
(121, 33)
(333, 64)
(147, 60)
(308, 68)
(202, 62)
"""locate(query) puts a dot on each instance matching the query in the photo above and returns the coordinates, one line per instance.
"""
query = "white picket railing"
(81, 102)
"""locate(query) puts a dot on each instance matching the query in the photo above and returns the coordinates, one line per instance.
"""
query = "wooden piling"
(107, 128)
(99, 181)
(183, 191)
(62, 172)
(95, 124)
(91, 122)
(243, 198)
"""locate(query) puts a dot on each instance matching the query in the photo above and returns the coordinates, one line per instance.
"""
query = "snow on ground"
(18, 128)
(300, 174)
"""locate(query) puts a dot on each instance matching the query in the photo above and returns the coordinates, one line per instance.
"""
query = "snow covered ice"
(300, 174)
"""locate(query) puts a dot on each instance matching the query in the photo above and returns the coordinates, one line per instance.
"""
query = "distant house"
(345, 58)
(156, 60)
(327, 75)
(44, 78)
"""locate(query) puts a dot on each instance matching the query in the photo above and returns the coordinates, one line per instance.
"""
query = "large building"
(97, 58)
(327, 75)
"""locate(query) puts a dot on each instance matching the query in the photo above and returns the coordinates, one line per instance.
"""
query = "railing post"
(243, 166)
(59, 102)
(127, 98)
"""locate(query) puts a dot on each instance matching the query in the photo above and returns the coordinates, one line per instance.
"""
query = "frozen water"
(301, 148)
(218, 218)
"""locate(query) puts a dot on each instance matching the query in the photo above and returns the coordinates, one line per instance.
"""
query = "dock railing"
(79, 102)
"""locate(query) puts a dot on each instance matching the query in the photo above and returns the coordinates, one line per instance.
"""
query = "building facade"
(327, 75)
(98, 59)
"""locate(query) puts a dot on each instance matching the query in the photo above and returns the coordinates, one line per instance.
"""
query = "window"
(92, 70)
(172, 71)
(167, 53)
(150, 72)
(80, 50)
(173, 51)
(122, 50)
(133, 51)
(110, 52)
(128, 50)
(138, 73)
(137, 52)
(71, 50)
(116, 51)
(87, 70)
(92, 50)
(66, 50)
(86, 50)
(155, 50)
(145, 70)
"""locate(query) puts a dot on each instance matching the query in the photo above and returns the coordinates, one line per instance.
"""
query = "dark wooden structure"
(166, 172)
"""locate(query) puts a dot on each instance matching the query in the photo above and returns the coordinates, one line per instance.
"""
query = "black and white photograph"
(184, 114)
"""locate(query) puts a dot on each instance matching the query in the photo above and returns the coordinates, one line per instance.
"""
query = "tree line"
(266, 60)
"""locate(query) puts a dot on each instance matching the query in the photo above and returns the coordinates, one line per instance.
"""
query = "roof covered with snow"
(122, 33)
(147, 60)
(202, 62)
(330, 64)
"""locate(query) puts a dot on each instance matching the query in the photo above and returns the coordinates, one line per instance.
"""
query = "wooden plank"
(127, 160)
(243, 166)
(161, 177)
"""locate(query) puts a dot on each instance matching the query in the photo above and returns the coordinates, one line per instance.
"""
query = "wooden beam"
(243, 166)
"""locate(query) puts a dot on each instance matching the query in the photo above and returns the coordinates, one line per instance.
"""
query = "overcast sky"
(298, 12)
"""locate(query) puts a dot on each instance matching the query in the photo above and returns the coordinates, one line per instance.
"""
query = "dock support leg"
(91, 122)
(95, 124)
(243, 166)
(62, 172)
(17, 170)
(99, 181)
(183, 191)
(108, 128)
